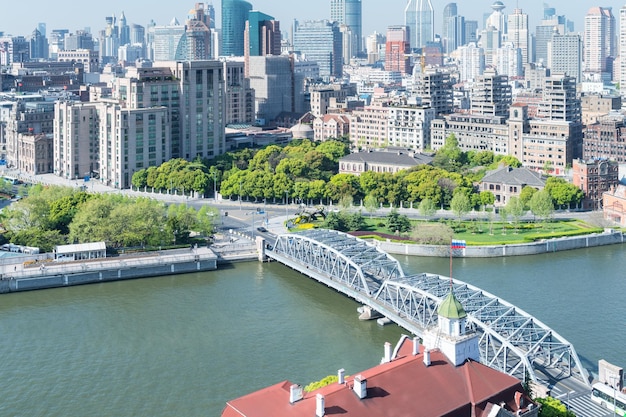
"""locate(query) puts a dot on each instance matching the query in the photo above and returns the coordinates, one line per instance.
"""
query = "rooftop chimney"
(340, 376)
(295, 393)
(416, 346)
(426, 357)
(360, 386)
(387, 357)
(319, 405)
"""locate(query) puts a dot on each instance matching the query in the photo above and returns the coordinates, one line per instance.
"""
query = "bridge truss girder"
(510, 339)
(342, 257)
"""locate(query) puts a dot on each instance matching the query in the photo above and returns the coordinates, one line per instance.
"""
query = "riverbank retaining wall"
(609, 237)
(63, 274)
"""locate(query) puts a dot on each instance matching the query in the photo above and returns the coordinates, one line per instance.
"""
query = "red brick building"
(594, 177)
(614, 205)
(397, 50)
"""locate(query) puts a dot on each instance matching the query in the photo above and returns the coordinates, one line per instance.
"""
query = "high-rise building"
(517, 33)
(239, 96)
(79, 40)
(320, 41)
(262, 34)
(234, 16)
(197, 39)
(560, 101)
(14, 49)
(56, 42)
(38, 46)
(349, 13)
(202, 119)
(209, 11)
(471, 31)
(124, 30)
(166, 40)
(435, 88)
(497, 19)
(271, 77)
(622, 50)
(41, 27)
(599, 42)
(109, 41)
(508, 60)
(543, 35)
(471, 62)
(453, 33)
(76, 139)
(397, 49)
(565, 55)
(372, 47)
(420, 18)
(491, 94)
(137, 34)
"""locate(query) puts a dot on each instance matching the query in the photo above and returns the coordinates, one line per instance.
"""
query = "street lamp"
(286, 202)
(239, 195)
(214, 187)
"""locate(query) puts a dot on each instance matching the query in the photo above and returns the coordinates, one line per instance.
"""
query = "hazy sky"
(377, 14)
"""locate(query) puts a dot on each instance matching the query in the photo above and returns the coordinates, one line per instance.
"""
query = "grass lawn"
(480, 233)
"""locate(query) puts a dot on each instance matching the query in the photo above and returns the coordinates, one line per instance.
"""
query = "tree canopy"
(52, 216)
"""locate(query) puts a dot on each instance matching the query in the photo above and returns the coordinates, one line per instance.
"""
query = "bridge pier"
(260, 249)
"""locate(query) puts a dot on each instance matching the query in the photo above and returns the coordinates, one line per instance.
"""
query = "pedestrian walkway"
(93, 185)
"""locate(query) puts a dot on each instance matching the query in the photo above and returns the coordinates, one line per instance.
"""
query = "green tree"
(371, 204)
(551, 407)
(504, 217)
(432, 233)
(506, 160)
(427, 207)
(63, 210)
(563, 193)
(341, 185)
(266, 159)
(516, 209)
(345, 202)
(333, 149)
(449, 157)
(486, 198)
(317, 190)
(541, 204)
(331, 379)
(45, 240)
(398, 222)
(334, 221)
(140, 178)
(355, 221)
(482, 158)
(460, 204)
(207, 218)
(526, 194)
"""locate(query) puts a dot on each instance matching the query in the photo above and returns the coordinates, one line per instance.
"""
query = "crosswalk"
(580, 403)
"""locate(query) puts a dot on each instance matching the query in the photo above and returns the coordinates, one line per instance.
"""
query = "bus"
(609, 397)
(12, 180)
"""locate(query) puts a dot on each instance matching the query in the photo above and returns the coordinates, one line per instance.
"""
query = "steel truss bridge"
(511, 340)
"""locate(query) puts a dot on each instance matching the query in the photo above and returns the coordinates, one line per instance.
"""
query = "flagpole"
(451, 244)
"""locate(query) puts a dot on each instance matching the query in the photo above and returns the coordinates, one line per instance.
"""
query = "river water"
(184, 345)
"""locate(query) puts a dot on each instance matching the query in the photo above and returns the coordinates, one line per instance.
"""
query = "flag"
(457, 244)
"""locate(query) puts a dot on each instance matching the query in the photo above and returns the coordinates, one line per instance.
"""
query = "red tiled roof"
(394, 389)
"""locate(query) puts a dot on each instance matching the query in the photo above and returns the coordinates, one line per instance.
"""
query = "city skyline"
(376, 16)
